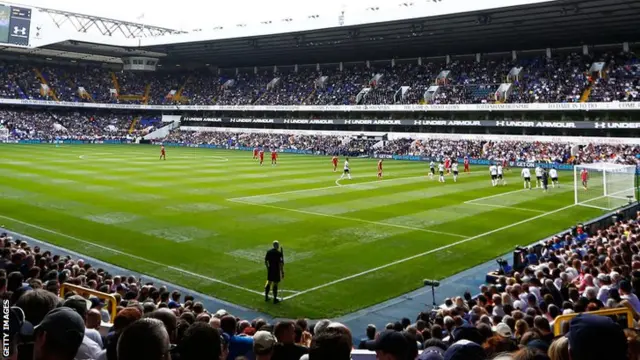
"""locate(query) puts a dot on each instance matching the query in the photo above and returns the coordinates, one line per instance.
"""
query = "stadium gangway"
(557, 325)
(100, 295)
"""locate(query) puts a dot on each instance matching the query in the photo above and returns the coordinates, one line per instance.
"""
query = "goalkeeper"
(274, 260)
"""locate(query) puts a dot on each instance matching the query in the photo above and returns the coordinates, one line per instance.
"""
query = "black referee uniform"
(274, 260)
(545, 180)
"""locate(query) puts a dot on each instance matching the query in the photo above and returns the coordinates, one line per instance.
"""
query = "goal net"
(607, 186)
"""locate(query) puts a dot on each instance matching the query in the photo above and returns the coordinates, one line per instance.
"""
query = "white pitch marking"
(349, 218)
(426, 253)
(504, 207)
(333, 186)
(161, 265)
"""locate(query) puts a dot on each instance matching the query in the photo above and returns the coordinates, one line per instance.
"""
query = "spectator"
(238, 345)
(559, 349)
(263, 345)
(92, 341)
(287, 349)
(626, 293)
(391, 345)
(596, 337)
(464, 350)
(145, 339)
(59, 335)
(201, 341)
(332, 343)
(371, 335)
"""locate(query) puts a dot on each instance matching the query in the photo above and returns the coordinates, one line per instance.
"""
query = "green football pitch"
(205, 218)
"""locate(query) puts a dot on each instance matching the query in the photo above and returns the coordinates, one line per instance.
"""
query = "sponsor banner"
(446, 123)
(613, 106)
(70, 141)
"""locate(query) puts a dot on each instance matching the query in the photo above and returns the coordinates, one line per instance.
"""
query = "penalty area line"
(186, 272)
(432, 251)
(349, 218)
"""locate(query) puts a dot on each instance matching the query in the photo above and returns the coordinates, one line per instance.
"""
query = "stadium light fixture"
(313, 16)
(373, 8)
(287, 20)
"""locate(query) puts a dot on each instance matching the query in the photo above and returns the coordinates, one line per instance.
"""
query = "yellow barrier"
(557, 325)
(100, 295)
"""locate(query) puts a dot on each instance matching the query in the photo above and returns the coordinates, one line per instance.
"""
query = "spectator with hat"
(92, 341)
(593, 337)
(59, 335)
(390, 345)
(263, 345)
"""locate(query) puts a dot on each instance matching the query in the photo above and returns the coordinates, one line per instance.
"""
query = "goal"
(608, 186)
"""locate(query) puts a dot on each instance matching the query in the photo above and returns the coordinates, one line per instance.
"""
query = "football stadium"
(435, 179)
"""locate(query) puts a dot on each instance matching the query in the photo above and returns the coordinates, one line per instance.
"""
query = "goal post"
(608, 186)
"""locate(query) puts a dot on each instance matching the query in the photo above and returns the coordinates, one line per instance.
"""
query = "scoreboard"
(15, 23)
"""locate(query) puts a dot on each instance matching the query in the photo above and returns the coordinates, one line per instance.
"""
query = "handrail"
(100, 295)
(557, 324)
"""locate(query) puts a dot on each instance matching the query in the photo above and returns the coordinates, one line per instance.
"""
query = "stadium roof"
(535, 26)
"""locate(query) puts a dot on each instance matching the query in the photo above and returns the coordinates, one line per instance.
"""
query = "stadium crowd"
(435, 148)
(560, 78)
(44, 125)
(512, 319)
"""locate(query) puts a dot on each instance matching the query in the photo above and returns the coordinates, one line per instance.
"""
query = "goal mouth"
(605, 186)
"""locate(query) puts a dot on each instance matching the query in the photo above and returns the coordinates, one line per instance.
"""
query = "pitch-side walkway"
(407, 305)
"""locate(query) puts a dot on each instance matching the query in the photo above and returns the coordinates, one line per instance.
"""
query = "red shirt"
(380, 165)
(466, 162)
(335, 160)
(274, 154)
(162, 149)
(584, 175)
(255, 151)
(261, 153)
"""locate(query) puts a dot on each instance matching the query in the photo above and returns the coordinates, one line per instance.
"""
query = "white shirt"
(440, 167)
(526, 173)
(538, 171)
(346, 165)
(88, 350)
(493, 170)
(633, 300)
(94, 335)
(454, 167)
(553, 173)
(432, 165)
(499, 169)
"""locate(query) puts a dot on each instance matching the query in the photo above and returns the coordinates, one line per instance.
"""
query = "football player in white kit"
(347, 170)
(538, 177)
(432, 169)
(501, 175)
(493, 170)
(441, 172)
(526, 176)
(553, 174)
(454, 170)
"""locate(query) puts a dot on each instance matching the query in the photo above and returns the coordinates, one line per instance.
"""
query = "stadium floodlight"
(605, 186)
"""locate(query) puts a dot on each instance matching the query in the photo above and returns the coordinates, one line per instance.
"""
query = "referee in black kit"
(545, 180)
(274, 260)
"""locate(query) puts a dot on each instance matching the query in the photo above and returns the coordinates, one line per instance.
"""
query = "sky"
(192, 14)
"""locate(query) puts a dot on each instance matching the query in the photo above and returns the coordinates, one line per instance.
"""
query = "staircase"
(134, 122)
(586, 94)
(147, 91)
(114, 80)
(52, 92)
(311, 94)
(178, 96)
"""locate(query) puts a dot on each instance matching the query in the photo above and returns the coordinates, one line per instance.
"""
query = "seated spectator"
(92, 342)
(59, 335)
(238, 345)
(263, 345)
(596, 337)
(201, 341)
(145, 339)
(286, 348)
(331, 343)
